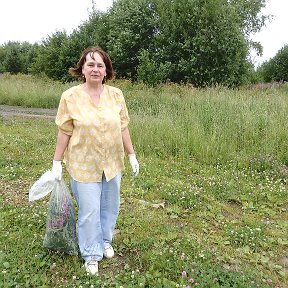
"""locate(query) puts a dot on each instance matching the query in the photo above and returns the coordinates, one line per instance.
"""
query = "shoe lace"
(108, 247)
(92, 262)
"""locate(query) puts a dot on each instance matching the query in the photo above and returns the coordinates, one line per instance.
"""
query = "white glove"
(134, 164)
(57, 169)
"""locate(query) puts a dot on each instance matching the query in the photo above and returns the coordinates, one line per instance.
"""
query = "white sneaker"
(91, 267)
(108, 251)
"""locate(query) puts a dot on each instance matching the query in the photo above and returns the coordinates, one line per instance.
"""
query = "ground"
(6, 111)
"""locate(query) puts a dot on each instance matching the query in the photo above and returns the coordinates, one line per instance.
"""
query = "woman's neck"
(93, 87)
(94, 91)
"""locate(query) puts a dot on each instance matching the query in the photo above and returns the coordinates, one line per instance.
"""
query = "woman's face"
(94, 70)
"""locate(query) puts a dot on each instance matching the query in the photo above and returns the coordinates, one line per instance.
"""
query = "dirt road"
(8, 111)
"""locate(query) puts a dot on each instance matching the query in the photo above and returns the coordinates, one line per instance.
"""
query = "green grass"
(208, 209)
(30, 91)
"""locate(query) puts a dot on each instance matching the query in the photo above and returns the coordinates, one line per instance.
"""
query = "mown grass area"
(209, 208)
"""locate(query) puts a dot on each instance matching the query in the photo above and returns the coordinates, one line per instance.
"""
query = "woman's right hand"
(57, 169)
(134, 164)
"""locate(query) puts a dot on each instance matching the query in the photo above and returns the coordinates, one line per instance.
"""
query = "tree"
(59, 52)
(204, 42)
(276, 69)
(250, 19)
(16, 57)
(281, 62)
(200, 42)
(130, 30)
(28, 53)
(12, 62)
(2, 57)
(149, 71)
(50, 59)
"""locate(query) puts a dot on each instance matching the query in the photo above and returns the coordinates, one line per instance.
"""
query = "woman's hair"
(77, 71)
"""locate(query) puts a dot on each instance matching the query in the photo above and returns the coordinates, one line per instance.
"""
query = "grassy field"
(208, 209)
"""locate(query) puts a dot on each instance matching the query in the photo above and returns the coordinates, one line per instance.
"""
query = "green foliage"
(149, 71)
(50, 59)
(60, 52)
(13, 61)
(248, 15)
(255, 76)
(186, 41)
(94, 32)
(2, 57)
(281, 62)
(90, 33)
(17, 57)
(131, 28)
(209, 50)
(276, 69)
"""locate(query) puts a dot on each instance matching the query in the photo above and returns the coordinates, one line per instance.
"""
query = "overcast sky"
(274, 35)
(34, 20)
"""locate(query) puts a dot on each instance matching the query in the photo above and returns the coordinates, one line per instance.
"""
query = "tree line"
(202, 42)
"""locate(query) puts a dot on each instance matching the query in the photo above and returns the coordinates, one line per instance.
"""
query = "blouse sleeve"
(125, 119)
(63, 118)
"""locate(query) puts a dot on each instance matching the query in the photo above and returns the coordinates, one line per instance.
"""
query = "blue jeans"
(98, 208)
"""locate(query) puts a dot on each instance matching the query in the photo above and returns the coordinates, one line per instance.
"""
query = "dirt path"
(8, 111)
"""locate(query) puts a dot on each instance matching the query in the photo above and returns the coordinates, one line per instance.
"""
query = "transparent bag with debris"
(42, 187)
(61, 224)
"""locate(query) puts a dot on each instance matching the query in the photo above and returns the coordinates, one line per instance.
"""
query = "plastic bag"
(43, 186)
(61, 225)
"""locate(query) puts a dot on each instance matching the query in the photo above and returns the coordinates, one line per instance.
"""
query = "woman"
(93, 133)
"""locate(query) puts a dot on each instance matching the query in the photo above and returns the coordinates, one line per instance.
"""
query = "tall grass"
(212, 124)
(30, 91)
(207, 125)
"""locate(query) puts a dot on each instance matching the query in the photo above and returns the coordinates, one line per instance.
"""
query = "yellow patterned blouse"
(96, 143)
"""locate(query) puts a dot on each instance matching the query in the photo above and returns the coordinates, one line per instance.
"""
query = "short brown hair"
(77, 71)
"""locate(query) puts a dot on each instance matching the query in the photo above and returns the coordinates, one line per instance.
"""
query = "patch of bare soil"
(14, 111)
(14, 191)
